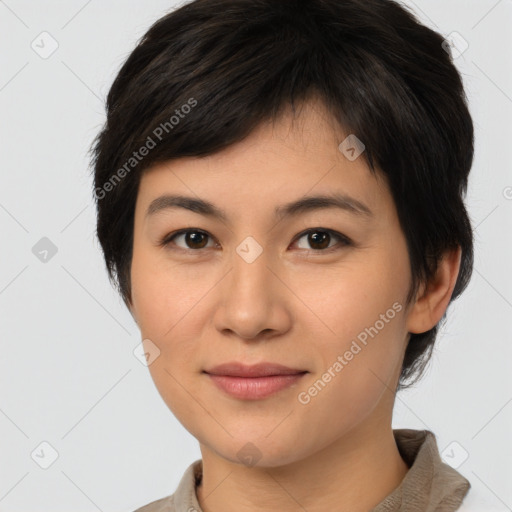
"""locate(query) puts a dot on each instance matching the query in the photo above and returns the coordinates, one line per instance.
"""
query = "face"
(320, 290)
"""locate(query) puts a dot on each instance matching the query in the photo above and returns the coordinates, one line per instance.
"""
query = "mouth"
(253, 382)
(265, 369)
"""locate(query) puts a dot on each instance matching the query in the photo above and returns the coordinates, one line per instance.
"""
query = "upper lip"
(235, 369)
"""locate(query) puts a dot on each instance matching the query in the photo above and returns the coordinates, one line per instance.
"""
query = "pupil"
(323, 239)
(192, 239)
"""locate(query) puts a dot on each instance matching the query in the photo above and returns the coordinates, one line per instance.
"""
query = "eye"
(318, 238)
(193, 238)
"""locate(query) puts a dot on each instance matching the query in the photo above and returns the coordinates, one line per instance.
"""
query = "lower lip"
(254, 388)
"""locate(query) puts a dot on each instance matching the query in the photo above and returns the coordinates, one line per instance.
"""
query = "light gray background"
(68, 375)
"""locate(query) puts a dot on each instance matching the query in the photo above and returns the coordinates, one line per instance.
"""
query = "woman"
(280, 203)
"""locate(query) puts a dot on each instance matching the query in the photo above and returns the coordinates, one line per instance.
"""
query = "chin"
(262, 454)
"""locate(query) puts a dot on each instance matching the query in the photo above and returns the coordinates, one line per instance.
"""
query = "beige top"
(430, 485)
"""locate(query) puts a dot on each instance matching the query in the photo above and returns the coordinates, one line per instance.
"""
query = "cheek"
(347, 300)
(360, 355)
(167, 303)
(360, 311)
(164, 295)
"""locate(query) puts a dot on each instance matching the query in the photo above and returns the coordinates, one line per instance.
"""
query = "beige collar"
(430, 485)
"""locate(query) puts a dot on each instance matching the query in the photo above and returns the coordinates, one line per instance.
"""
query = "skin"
(295, 305)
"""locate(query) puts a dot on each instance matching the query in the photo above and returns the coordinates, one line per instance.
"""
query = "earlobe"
(432, 300)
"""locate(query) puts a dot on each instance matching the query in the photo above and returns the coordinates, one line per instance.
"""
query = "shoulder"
(183, 498)
(475, 502)
(162, 505)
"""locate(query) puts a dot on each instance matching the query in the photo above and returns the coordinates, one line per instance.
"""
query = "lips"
(235, 369)
(254, 382)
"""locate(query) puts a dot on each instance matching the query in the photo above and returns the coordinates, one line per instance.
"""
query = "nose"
(254, 303)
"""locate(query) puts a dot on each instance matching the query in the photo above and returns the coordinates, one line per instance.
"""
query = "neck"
(355, 473)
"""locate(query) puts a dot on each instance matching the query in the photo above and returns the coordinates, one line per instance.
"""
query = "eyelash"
(345, 241)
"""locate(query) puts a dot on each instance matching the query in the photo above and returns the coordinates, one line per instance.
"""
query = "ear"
(433, 299)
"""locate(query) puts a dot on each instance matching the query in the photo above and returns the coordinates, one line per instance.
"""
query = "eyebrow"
(294, 208)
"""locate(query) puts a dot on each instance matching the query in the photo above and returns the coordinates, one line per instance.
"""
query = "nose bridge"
(249, 305)
(250, 274)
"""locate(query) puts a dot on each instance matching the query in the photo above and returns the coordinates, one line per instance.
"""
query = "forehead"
(277, 163)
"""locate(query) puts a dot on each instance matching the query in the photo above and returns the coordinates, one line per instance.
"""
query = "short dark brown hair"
(205, 75)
